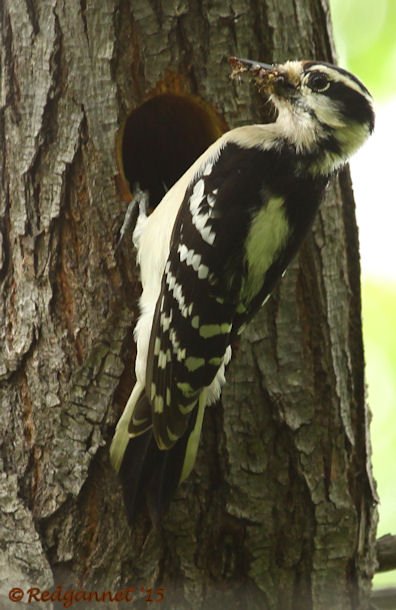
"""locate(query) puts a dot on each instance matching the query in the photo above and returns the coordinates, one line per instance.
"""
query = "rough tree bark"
(280, 511)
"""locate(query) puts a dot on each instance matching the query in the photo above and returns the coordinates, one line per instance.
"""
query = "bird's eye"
(318, 82)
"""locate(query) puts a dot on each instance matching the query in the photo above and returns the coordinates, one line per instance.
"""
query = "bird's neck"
(325, 146)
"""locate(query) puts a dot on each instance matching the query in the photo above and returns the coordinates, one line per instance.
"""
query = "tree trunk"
(280, 511)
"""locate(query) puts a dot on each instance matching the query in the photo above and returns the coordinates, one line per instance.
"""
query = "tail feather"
(149, 474)
(121, 437)
(139, 460)
(167, 477)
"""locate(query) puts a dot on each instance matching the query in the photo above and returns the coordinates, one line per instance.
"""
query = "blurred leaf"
(364, 33)
(379, 307)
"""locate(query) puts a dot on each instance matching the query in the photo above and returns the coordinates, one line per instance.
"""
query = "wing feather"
(200, 289)
(193, 318)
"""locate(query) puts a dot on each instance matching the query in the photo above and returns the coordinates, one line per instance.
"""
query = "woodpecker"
(211, 253)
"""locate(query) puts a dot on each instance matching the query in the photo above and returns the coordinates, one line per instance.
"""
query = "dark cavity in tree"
(163, 137)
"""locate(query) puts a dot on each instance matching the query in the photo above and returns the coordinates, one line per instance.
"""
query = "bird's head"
(319, 105)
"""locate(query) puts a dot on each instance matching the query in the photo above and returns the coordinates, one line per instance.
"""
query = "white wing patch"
(197, 196)
(193, 260)
(208, 169)
(165, 322)
(158, 404)
(214, 390)
(212, 330)
(199, 221)
(176, 290)
(192, 364)
(199, 218)
(211, 198)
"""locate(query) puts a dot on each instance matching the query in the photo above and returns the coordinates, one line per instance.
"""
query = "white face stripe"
(294, 70)
(337, 77)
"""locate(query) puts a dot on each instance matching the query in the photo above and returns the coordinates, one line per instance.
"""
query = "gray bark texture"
(279, 513)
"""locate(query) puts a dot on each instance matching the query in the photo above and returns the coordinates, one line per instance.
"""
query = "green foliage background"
(379, 309)
(365, 36)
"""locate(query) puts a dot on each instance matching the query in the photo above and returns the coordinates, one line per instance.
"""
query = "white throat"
(298, 126)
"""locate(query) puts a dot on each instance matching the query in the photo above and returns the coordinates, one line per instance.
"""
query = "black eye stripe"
(313, 64)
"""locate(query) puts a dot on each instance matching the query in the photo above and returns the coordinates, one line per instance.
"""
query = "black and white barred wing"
(194, 313)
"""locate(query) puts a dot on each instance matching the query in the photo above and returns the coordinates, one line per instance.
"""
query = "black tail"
(150, 475)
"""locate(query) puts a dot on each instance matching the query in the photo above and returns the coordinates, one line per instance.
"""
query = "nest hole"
(163, 137)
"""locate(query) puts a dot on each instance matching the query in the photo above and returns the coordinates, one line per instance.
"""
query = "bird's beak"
(243, 65)
(265, 75)
(256, 68)
(269, 78)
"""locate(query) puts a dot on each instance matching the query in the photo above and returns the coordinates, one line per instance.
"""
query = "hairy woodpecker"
(211, 253)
